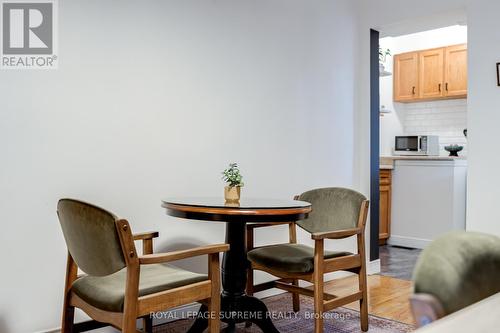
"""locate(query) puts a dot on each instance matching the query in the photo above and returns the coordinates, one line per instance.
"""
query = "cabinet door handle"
(413, 91)
(439, 87)
(446, 86)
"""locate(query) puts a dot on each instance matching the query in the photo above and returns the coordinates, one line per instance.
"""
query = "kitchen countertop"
(387, 161)
(386, 166)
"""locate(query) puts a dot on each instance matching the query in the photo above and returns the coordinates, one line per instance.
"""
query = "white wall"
(484, 117)
(436, 123)
(153, 100)
(392, 123)
(483, 96)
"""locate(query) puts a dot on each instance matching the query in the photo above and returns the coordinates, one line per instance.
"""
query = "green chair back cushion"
(333, 208)
(91, 237)
(459, 269)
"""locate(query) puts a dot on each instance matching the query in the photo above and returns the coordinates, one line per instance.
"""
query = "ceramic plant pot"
(232, 193)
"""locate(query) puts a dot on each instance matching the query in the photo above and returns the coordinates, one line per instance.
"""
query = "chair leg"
(318, 286)
(250, 282)
(296, 297)
(68, 319)
(147, 324)
(363, 303)
(249, 288)
(68, 315)
(129, 324)
(318, 305)
(250, 246)
(214, 304)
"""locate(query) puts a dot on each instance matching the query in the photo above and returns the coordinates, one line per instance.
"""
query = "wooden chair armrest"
(146, 235)
(336, 234)
(253, 226)
(158, 258)
(147, 240)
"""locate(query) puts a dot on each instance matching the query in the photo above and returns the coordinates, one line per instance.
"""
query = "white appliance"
(418, 145)
(428, 200)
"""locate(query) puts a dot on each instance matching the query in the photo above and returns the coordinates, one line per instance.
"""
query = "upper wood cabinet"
(431, 74)
(406, 76)
(455, 74)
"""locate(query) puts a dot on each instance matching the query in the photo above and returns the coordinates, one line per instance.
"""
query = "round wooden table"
(236, 306)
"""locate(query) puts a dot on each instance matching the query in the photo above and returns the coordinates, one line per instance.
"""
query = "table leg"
(234, 261)
(201, 322)
(236, 306)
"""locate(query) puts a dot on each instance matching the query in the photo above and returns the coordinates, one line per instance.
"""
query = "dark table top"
(245, 203)
(248, 209)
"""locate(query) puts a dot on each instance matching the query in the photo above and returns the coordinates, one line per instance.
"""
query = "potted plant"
(232, 177)
(382, 56)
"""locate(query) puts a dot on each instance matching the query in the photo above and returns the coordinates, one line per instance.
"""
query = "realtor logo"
(28, 34)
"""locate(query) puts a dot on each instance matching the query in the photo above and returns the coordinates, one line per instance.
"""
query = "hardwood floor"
(388, 297)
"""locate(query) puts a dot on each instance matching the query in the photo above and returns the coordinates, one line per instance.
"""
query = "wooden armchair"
(337, 213)
(119, 286)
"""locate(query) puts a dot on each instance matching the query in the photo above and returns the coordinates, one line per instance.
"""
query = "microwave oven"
(421, 145)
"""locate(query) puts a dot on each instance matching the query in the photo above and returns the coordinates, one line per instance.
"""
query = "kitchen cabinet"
(433, 74)
(455, 74)
(385, 206)
(406, 76)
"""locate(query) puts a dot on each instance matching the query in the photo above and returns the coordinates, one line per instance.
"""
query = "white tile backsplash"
(446, 118)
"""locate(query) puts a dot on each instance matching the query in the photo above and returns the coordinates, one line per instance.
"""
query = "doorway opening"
(418, 80)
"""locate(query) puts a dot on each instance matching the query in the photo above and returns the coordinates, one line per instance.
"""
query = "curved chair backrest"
(333, 208)
(459, 269)
(91, 237)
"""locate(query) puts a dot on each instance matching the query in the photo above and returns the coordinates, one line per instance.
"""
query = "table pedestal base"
(237, 310)
(236, 307)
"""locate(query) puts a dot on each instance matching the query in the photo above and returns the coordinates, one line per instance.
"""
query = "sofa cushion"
(459, 268)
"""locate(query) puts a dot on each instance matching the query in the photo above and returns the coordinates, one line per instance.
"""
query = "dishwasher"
(428, 199)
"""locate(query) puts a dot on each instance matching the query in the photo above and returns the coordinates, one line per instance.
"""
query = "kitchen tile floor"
(398, 262)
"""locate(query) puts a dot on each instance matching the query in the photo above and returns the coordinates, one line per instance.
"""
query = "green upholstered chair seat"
(290, 258)
(107, 292)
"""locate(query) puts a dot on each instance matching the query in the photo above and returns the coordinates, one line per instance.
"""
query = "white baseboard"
(416, 243)
(373, 267)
